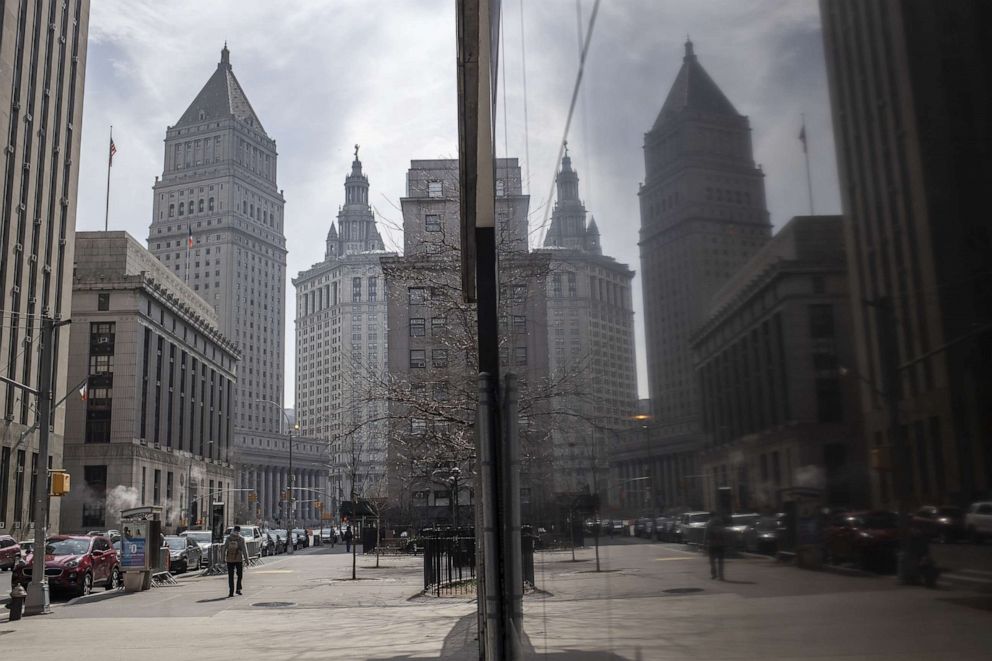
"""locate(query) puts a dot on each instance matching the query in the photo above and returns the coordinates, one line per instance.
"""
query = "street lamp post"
(290, 500)
(454, 473)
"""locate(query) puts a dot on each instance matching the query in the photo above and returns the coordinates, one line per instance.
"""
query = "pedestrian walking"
(236, 555)
(715, 539)
(347, 536)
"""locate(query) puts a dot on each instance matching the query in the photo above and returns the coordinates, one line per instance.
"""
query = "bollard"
(17, 596)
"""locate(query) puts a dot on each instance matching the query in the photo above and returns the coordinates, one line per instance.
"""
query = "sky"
(323, 75)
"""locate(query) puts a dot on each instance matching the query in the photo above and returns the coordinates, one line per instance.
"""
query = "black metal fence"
(449, 560)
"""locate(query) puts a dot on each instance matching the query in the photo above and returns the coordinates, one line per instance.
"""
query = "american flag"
(190, 228)
(113, 150)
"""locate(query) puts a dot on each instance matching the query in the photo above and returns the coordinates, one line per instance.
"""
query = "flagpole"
(809, 180)
(110, 160)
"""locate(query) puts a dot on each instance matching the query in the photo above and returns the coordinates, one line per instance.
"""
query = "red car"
(10, 550)
(869, 539)
(75, 563)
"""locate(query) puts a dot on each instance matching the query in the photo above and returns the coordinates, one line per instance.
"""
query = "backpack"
(232, 549)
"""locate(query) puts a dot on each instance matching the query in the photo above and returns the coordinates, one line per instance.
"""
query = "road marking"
(275, 571)
(675, 558)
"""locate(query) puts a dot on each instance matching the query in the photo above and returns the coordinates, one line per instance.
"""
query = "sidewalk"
(649, 602)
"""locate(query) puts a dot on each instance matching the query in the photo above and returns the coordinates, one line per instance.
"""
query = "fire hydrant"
(17, 596)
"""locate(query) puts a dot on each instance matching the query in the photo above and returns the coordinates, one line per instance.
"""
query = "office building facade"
(43, 56)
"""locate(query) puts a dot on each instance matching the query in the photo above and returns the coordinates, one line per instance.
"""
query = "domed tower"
(356, 230)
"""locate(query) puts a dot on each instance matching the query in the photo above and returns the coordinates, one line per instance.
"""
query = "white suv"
(978, 520)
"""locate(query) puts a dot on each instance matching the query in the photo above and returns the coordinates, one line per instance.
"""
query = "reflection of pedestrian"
(347, 536)
(715, 540)
(235, 554)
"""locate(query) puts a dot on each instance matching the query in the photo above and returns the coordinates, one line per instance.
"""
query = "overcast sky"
(324, 75)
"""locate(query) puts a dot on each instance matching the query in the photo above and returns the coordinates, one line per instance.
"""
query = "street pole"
(290, 494)
(37, 602)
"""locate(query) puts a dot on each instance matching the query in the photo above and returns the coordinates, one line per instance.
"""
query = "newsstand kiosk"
(141, 534)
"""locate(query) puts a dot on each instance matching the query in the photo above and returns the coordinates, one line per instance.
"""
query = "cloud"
(325, 75)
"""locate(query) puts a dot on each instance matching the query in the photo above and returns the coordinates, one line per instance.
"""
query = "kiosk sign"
(134, 545)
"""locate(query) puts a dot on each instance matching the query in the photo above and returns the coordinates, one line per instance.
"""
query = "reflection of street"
(651, 601)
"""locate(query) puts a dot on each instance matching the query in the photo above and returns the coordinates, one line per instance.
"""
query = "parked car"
(978, 521)
(328, 535)
(77, 563)
(27, 546)
(869, 539)
(203, 539)
(692, 527)
(301, 541)
(252, 535)
(738, 524)
(945, 524)
(267, 543)
(279, 537)
(10, 552)
(184, 553)
(763, 535)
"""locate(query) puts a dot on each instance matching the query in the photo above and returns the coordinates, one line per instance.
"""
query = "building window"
(432, 222)
(95, 504)
(418, 426)
(103, 301)
(518, 293)
(434, 189)
(356, 290)
(373, 288)
(439, 357)
(157, 487)
(571, 285)
(519, 323)
(556, 285)
(210, 204)
(442, 498)
(821, 321)
(418, 358)
(421, 498)
(418, 327)
(440, 392)
(500, 188)
(417, 295)
(437, 326)
(829, 403)
(520, 356)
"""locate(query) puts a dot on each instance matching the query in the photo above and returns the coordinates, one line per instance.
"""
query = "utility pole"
(37, 602)
(888, 346)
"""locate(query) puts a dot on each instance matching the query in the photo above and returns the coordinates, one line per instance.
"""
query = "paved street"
(651, 601)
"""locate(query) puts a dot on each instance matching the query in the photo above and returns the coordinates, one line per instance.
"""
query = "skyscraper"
(341, 348)
(590, 328)
(911, 109)
(217, 223)
(42, 66)
(703, 215)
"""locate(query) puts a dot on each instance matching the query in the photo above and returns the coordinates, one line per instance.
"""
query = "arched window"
(189, 207)
(210, 204)
(199, 205)
(172, 210)
(181, 207)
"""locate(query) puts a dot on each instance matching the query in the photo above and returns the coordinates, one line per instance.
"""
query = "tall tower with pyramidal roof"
(703, 215)
(217, 223)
